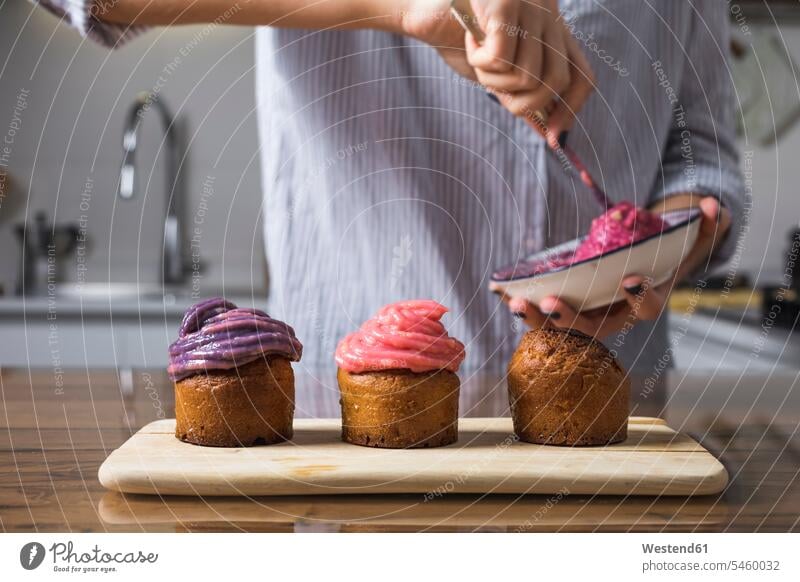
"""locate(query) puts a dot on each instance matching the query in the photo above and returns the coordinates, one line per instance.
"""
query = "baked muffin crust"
(249, 405)
(566, 388)
(399, 409)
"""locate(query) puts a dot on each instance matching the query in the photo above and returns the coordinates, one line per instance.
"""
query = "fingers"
(642, 302)
(598, 323)
(646, 302)
(527, 312)
(714, 226)
(542, 89)
(563, 315)
(498, 19)
(454, 57)
(538, 71)
(530, 60)
(557, 75)
(523, 310)
(716, 218)
(525, 66)
(581, 85)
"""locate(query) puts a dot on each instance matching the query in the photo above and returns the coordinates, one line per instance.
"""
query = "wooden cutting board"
(413, 512)
(654, 460)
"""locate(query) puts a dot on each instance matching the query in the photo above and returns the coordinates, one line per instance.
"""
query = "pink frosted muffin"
(397, 377)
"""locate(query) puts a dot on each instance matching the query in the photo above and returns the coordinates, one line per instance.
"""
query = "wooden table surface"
(56, 430)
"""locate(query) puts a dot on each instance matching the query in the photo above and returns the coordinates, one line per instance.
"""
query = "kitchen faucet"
(174, 265)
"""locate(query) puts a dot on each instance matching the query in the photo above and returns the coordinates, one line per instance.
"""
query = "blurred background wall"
(71, 96)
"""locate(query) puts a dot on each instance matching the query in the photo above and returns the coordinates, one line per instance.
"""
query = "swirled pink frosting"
(406, 335)
(622, 225)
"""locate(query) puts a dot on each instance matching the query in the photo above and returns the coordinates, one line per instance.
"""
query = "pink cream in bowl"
(406, 335)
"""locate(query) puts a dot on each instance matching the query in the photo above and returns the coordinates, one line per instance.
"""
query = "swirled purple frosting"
(217, 335)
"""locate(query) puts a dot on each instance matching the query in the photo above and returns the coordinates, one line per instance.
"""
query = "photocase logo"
(31, 555)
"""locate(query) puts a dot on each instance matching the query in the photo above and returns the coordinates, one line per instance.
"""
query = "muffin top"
(217, 335)
(564, 350)
(406, 335)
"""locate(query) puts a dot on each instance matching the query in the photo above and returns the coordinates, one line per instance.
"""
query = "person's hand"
(431, 22)
(643, 301)
(528, 59)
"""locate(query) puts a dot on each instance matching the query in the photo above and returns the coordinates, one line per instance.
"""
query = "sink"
(151, 292)
(121, 291)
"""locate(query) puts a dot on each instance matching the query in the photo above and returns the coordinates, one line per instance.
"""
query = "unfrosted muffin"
(566, 388)
(397, 379)
(234, 384)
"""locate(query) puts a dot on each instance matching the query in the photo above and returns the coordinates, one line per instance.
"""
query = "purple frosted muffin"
(234, 384)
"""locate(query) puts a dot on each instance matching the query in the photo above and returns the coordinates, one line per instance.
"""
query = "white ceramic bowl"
(596, 282)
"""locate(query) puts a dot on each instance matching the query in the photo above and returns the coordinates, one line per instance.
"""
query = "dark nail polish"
(493, 97)
(519, 314)
(554, 315)
(562, 138)
(497, 292)
(635, 290)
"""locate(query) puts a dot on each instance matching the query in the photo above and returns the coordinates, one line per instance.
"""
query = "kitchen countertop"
(57, 430)
(121, 300)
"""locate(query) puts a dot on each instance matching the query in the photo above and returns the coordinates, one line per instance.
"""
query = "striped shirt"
(387, 176)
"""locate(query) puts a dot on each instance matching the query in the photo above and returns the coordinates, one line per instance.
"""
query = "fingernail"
(519, 314)
(493, 97)
(555, 315)
(497, 292)
(634, 290)
(562, 138)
